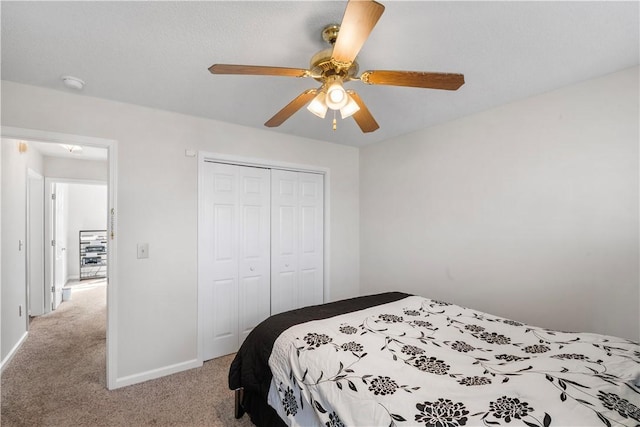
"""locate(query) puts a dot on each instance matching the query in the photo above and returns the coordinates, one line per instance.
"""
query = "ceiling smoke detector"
(73, 82)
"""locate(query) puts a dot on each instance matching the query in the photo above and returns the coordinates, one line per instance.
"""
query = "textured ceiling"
(57, 150)
(156, 54)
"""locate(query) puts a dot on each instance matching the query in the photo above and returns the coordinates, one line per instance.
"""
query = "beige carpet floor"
(58, 378)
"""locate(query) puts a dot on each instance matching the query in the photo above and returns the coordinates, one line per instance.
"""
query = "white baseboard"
(13, 351)
(156, 373)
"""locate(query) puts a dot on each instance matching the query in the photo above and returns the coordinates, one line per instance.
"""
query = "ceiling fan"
(334, 66)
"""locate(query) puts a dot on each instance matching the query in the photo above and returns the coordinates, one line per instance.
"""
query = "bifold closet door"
(297, 246)
(236, 254)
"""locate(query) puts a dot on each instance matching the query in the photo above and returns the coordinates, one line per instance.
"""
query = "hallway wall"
(13, 323)
(87, 211)
(60, 167)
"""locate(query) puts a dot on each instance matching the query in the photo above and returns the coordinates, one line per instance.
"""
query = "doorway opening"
(61, 208)
(76, 230)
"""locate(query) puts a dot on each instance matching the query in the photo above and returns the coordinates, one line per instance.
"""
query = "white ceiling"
(51, 149)
(156, 54)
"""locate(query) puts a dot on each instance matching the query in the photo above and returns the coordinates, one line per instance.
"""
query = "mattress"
(417, 361)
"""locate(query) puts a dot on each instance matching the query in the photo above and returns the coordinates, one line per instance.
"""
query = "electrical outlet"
(143, 250)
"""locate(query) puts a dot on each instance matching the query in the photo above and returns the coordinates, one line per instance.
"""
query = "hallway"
(57, 378)
(63, 347)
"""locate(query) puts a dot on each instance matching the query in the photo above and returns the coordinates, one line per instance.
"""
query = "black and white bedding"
(250, 370)
(416, 361)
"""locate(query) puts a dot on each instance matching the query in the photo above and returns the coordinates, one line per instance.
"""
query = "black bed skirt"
(261, 414)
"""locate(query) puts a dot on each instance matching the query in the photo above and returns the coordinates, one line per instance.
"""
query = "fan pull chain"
(335, 124)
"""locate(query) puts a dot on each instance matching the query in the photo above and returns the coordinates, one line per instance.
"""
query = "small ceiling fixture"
(76, 149)
(73, 82)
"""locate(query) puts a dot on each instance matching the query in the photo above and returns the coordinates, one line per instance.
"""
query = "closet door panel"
(220, 234)
(307, 292)
(284, 241)
(251, 310)
(284, 296)
(224, 324)
(311, 255)
(296, 240)
(286, 230)
(225, 246)
(254, 251)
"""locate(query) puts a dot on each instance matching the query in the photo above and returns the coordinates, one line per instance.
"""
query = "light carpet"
(58, 378)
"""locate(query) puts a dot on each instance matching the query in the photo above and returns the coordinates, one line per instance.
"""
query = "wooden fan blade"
(359, 18)
(363, 117)
(288, 111)
(257, 70)
(445, 81)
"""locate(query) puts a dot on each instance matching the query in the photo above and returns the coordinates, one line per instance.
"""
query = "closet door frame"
(204, 157)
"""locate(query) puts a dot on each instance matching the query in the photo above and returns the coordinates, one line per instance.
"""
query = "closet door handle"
(251, 268)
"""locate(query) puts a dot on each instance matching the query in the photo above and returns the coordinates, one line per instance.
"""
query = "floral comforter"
(422, 362)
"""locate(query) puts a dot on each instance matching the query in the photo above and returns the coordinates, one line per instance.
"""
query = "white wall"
(157, 203)
(1, 270)
(14, 204)
(87, 210)
(64, 167)
(529, 210)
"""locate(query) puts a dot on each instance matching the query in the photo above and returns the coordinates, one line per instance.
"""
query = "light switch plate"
(143, 250)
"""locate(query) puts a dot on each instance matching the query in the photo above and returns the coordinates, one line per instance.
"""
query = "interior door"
(234, 267)
(59, 217)
(254, 252)
(35, 246)
(311, 252)
(297, 240)
(284, 241)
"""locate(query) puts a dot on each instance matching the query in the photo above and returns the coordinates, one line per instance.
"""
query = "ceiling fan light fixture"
(350, 108)
(334, 66)
(318, 106)
(336, 95)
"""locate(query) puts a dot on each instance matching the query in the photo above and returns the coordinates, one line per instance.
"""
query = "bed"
(395, 359)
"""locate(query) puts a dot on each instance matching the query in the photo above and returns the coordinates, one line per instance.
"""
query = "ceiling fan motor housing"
(330, 33)
(321, 65)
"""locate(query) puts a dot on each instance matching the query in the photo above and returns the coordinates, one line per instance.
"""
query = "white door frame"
(112, 226)
(56, 270)
(261, 163)
(48, 231)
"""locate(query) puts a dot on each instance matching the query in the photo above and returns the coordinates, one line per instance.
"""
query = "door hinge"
(53, 289)
(53, 196)
(53, 243)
